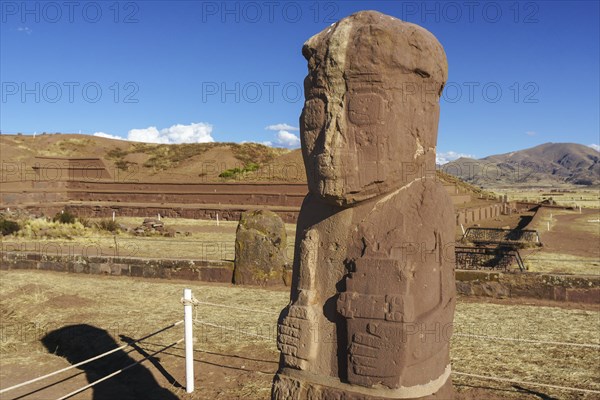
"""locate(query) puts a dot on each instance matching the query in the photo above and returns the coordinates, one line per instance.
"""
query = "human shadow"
(80, 342)
(541, 395)
(151, 359)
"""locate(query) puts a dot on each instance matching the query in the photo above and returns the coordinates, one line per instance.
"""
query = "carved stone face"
(369, 123)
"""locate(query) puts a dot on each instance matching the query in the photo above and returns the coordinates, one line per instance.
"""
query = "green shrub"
(86, 222)
(41, 228)
(8, 227)
(64, 217)
(232, 172)
(116, 153)
(108, 225)
(251, 167)
(123, 165)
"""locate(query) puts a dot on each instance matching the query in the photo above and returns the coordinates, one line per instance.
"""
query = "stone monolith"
(373, 294)
(260, 249)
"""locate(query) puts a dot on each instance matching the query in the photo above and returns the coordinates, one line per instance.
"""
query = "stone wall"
(192, 270)
(206, 212)
(557, 287)
(469, 216)
(568, 288)
(185, 200)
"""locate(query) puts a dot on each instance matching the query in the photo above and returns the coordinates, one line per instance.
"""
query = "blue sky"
(520, 73)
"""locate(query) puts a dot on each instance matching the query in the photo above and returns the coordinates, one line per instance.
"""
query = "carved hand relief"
(371, 349)
(296, 336)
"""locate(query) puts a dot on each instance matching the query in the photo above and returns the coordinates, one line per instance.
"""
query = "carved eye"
(313, 115)
(365, 109)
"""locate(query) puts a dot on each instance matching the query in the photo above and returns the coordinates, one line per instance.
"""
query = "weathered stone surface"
(373, 293)
(260, 249)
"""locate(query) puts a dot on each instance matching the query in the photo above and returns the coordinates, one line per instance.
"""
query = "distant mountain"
(543, 165)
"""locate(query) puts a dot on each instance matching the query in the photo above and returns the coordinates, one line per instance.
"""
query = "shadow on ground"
(77, 343)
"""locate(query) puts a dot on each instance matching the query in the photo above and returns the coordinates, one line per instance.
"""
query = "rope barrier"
(196, 302)
(238, 308)
(589, 345)
(232, 329)
(89, 359)
(81, 389)
(492, 378)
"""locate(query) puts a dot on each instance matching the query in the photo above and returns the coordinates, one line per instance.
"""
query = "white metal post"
(189, 341)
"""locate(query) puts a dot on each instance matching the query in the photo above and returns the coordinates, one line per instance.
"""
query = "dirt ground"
(110, 311)
(572, 245)
(573, 233)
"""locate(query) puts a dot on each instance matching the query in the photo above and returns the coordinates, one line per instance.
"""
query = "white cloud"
(25, 29)
(147, 135)
(281, 127)
(287, 139)
(284, 137)
(594, 146)
(446, 157)
(265, 143)
(107, 135)
(192, 133)
(531, 133)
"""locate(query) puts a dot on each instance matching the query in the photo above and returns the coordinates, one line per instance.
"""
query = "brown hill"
(96, 177)
(544, 165)
(167, 163)
(190, 163)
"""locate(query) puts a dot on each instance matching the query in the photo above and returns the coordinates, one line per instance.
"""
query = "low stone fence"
(193, 270)
(557, 287)
(206, 212)
(469, 216)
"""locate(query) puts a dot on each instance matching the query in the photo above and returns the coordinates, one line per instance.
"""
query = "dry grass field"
(570, 197)
(570, 246)
(234, 365)
(197, 240)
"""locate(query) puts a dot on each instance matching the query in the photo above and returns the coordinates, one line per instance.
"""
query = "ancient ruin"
(260, 249)
(373, 295)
